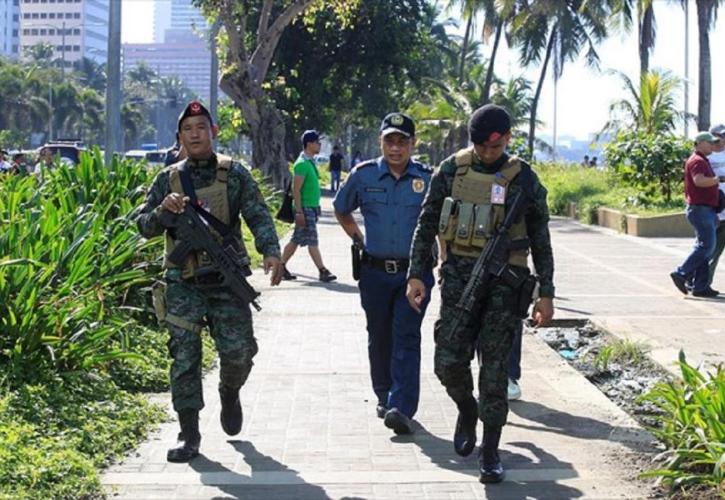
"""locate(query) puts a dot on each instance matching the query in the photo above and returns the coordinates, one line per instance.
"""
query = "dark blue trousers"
(515, 356)
(393, 337)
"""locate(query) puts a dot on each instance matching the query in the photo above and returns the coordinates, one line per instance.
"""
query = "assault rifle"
(193, 234)
(493, 262)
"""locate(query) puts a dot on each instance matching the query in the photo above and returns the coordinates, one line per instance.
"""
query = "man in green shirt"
(306, 190)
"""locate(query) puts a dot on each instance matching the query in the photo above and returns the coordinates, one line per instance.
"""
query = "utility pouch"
(158, 299)
(526, 296)
(448, 219)
(464, 230)
(481, 221)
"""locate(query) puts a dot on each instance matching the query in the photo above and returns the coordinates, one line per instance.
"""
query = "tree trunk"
(266, 126)
(646, 39)
(491, 61)
(704, 13)
(539, 86)
(464, 49)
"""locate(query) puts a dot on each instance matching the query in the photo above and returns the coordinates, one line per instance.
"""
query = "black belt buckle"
(392, 267)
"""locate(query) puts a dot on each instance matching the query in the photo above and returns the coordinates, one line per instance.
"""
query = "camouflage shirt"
(244, 197)
(537, 222)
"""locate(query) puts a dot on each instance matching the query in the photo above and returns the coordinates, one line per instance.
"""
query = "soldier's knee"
(449, 372)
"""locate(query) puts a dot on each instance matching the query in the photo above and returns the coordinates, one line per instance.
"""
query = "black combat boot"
(464, 438)
(189, 437)
(231, 414)
(490, 467)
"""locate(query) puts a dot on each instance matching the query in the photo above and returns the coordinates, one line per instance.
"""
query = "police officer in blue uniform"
(389, 192)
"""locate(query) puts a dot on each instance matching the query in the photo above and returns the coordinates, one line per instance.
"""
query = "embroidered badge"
(418, 185)
(396, 120)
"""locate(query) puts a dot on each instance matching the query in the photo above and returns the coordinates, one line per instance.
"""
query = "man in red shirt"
(701, 194)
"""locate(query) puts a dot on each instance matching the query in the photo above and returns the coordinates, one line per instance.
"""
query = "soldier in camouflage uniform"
(472, 189)
(194, 295)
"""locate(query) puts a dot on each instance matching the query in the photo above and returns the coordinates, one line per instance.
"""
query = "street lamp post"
(113, 87)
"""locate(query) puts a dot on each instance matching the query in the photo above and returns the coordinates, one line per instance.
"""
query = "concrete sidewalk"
(622, 283)
(310, 430)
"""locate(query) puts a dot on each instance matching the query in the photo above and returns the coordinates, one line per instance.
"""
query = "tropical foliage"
(650, 162)
(692, 426)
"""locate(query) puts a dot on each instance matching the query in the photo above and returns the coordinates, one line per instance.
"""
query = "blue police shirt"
(389, 206)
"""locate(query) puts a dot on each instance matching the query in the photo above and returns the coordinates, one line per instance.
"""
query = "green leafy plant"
(620, 351)
(651, 162)
(692, 427)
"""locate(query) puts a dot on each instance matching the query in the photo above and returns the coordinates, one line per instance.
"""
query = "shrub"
(692, 426)
(55, 433)
(651, 162)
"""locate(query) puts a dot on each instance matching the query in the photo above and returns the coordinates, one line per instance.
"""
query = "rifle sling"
(189, 191)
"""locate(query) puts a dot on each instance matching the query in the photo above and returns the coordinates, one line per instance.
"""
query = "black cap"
(488, 123)
(194, 108)
(309, 136)
(399, 123)
(3, 152)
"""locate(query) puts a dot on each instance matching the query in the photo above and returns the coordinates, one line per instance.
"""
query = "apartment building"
(9, 28)
(74, 28)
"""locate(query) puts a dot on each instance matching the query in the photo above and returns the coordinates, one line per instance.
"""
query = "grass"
(692, 427)
(592, 188)
(620, 351)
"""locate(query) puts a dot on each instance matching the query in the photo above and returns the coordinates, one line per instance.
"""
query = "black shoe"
(464, 437)
(231, 414)
(679, 281)
(707, 292)
(326, 276)
(288, 276)
(394, 419)
(490, 468)
(189, 437)
(381, 410)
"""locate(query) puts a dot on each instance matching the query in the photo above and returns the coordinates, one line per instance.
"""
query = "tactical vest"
(216, 202)
(468, 217)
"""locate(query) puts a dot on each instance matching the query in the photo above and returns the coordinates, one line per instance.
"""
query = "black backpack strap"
(188, 187)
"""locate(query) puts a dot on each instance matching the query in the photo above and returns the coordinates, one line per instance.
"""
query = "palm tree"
(91, 74)
(498, 16)
(650, 108)
(622, 14)
(24, 107)
(560, 29)
(41, 53)
(706, 15)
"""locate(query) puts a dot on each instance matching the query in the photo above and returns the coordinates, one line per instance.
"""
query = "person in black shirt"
(336, 159)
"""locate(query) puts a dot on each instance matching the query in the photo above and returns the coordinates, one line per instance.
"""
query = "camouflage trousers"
(230, 325)
(489, 331)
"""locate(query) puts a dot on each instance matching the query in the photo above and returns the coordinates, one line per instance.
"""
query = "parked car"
(154, 158)
(69, 151)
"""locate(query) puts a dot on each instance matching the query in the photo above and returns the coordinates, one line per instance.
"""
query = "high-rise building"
(184, 52)
(162, 19)
(75, 28)
(9, 28)
(189, 61)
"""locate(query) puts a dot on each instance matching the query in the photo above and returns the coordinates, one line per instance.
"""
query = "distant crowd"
(24, 163)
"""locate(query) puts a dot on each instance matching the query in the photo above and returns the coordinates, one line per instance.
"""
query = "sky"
(584, 94)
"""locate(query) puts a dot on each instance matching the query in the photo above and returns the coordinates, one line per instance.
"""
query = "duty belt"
(390, 266)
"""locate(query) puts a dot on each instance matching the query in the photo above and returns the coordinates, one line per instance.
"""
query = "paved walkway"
(622, 283)
(310, 430)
